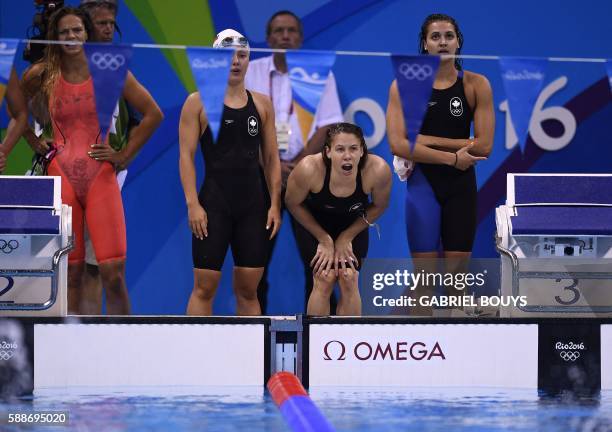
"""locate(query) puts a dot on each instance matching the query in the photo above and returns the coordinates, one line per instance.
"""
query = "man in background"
(269, 75)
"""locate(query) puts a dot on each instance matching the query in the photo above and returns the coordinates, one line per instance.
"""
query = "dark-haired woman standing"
(328, 194)
(441, 192)
(61, 88)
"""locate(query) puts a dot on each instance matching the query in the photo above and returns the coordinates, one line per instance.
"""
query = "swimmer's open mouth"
(347, 167)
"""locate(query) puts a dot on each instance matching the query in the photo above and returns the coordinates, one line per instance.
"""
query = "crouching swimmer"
(328, 194)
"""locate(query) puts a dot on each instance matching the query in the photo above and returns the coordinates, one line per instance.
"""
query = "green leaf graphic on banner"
(168, 23)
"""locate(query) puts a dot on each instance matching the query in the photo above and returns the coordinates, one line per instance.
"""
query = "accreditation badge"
(283, 131)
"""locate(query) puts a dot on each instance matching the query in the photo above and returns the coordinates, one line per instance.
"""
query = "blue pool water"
(248, 409)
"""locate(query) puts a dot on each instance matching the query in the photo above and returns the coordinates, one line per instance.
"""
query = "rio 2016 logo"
(7, 350)
(569, 352)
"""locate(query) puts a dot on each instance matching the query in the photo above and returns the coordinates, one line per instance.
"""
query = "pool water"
(463, 410)
(348, 409)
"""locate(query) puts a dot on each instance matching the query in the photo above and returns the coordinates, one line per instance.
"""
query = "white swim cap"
(229, 38)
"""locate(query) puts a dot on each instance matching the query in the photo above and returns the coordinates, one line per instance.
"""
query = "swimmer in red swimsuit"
(89, 183)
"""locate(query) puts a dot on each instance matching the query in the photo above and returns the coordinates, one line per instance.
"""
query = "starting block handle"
(517, 275)
(57, 256)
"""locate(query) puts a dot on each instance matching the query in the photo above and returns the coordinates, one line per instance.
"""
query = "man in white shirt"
(295, 137)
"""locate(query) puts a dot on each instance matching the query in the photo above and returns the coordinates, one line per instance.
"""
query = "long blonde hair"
(53, 52)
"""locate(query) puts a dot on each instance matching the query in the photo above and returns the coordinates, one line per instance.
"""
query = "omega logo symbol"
(335, 344)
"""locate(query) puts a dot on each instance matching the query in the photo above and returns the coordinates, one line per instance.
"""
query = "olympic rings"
(8, 246)
(6, 355)
(569, 355)
(107, 61)
(415, 71)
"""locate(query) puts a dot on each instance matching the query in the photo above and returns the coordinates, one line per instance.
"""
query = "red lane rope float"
(298, 410)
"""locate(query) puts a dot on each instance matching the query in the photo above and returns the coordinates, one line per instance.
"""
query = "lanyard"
(288, 111)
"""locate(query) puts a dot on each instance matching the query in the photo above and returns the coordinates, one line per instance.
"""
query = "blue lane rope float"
(298, 410)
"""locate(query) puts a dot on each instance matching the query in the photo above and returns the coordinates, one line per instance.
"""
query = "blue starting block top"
(28, 192)
(560, 204)
(30, 205)
(562, 221)
(567, 189)
(29, 221)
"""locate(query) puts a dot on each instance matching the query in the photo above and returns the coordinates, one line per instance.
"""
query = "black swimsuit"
(441, 200)
(334, 214)
(233, 194)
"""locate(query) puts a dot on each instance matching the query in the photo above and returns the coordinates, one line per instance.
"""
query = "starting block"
(555, 239)
(35, 237)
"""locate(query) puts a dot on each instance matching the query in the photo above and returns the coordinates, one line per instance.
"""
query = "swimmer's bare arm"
(270, 161)
(193, 121)
(31, 84)
(396, 134)
(377, 174)
(17, 109)
(301, 181)
(484, 117)
(141, 100)
(484, 121)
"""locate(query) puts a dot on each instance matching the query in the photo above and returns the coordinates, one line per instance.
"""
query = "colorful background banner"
(569, 127)
(210, 68)
(415, 76)
(308, 72)
(523, 79)
(8, 47)
(108, 66)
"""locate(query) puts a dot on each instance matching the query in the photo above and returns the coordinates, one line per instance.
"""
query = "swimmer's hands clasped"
(465, 160)
(338, 254)
(343, 254)
(323, 259)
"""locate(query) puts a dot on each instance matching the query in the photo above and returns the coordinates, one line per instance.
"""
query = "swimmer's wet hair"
(446, 18)
(348, 128)
(53, 53)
